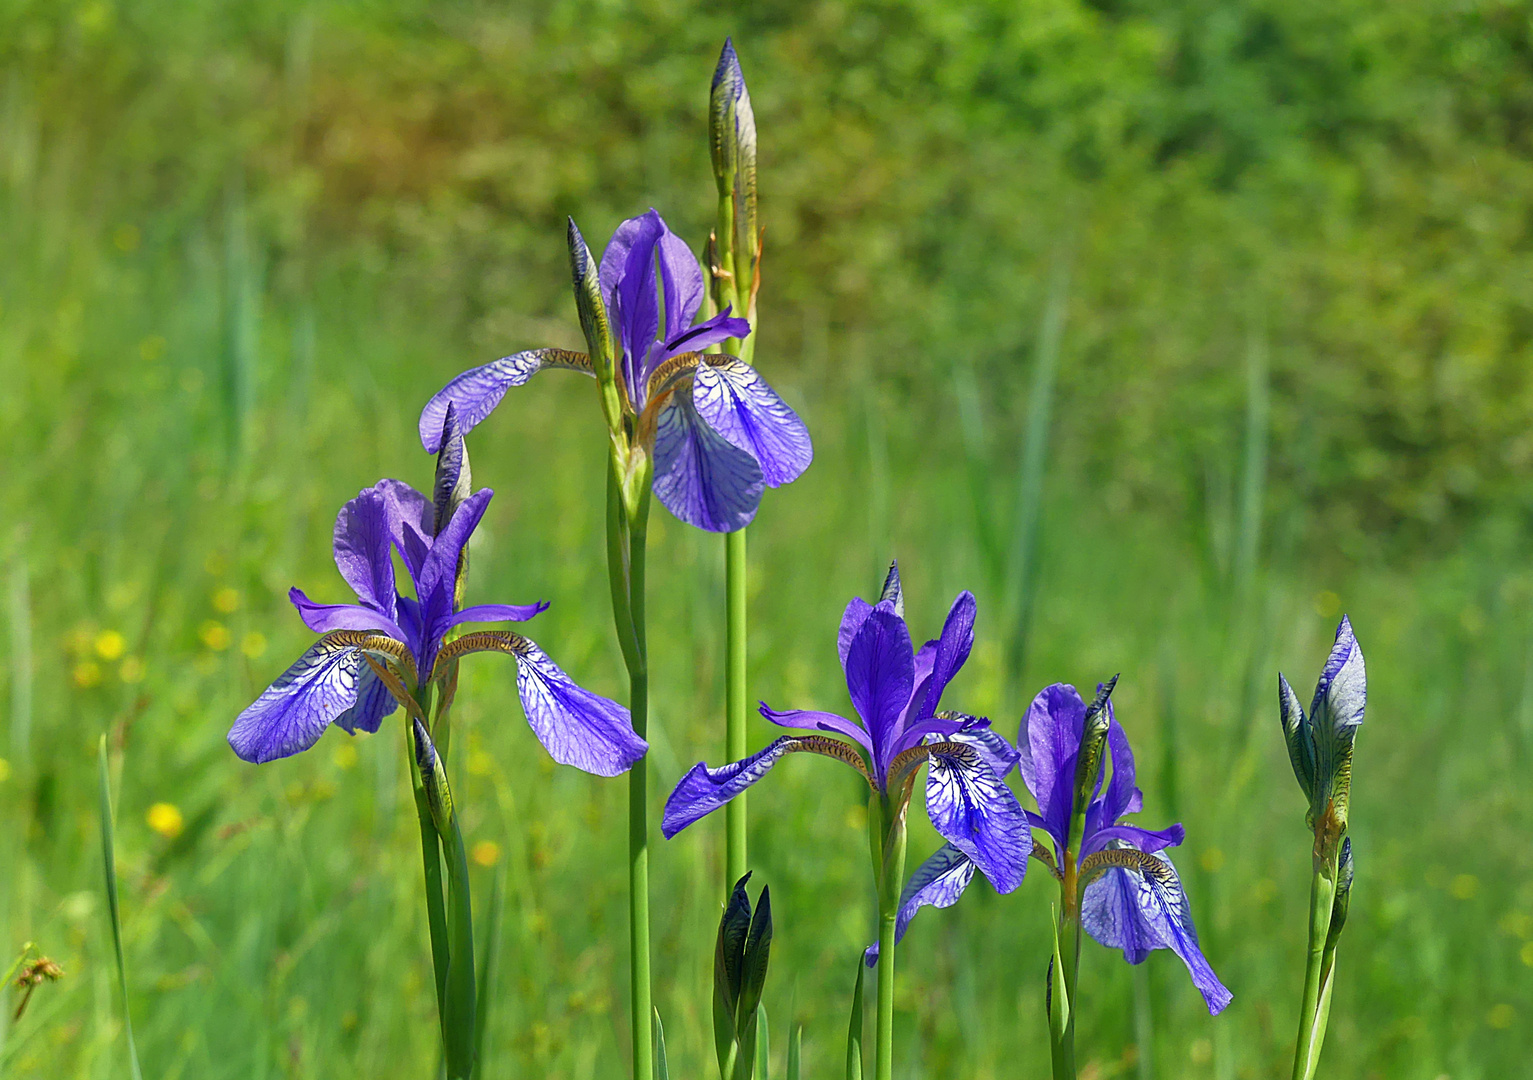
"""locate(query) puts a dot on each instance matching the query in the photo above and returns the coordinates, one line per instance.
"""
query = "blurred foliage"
(1347, 181)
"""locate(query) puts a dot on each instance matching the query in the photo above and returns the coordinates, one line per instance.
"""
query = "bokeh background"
(1171, 329)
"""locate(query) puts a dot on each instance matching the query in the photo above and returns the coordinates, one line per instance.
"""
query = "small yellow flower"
(110, 645)
(480, 763)
(1465, 886)
(87, 674)
(344, 755)
(5, 770)
(215, 635)
(226, 601)
(1201, 1052)
(253, 644)
(165, 819)
(1327, 604)
(132, 670)
(486, 853)
(151, 347)
(1212, 860)
(1501, 1016)
(1527, 954)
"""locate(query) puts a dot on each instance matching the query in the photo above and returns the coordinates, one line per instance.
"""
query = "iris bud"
(739, 976)
(434, 780)
(1088, 762)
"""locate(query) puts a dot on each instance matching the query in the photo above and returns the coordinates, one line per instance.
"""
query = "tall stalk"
(891, 880)
(734, 261)
(627, 533)
(1322, 896)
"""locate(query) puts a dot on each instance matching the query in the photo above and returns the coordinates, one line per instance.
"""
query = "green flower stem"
(734, 699)
(891, 880)
(1312, 1019)
(626, 556)
(431, 865)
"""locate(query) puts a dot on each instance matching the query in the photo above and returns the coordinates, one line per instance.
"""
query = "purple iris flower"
(344, 678)
(896, 692)
(718, 432)
(1133, 898)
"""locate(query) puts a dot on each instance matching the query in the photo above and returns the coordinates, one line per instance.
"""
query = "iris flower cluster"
(691, 421)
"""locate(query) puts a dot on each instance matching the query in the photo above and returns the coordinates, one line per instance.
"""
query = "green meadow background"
(1171, 329)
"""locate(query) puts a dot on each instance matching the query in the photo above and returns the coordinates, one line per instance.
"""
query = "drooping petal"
(1138, 911)
(977, 813)
(293, 712)
(1049, 739)
(813, 720)
(953, 646)
(851, 621)
(497, 613)
(373, 703)
(475, 393)
(703, 790)
(363, 550)
(879, 674)
(699, 476)
(437, 583)
(323, 618)
(576, 726)
(938, 882)
(737, 403)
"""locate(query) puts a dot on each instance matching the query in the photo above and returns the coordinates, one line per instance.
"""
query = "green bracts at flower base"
(1320, 749)
(740, 962)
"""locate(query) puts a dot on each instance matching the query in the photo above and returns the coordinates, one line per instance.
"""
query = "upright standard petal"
(1145, 909)
(454, 478)
(700, 477)
(681, 280)
(952, 651)
(1049, 740)
(293, 712)
(977, 813)
(880, 671)
(576, 726)
(364, 552)
(1297, 736)
(938, 882)
(437, 584)
(851, 621)
(703, 790)
(737, 403)
(474, 394)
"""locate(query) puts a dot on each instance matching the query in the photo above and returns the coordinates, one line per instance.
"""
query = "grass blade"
(763, 1045)
(487, 968)
(109, 863)
(795, 1052)
(662, 1068)
(854, 1029)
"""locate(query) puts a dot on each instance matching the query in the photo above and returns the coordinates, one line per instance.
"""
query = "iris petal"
(293, 712)
(851, 621)
(323, 618)
(681, 279)
(938, 882)
(363, 550)
(703, 790)
(497, 613)
(475, 393)
(977, 813)
(700, 477)
(1146, 910)
(576, 726)
(373, 703)
(879, 674)
(813, 720)
(737, 403)
(1049, 739)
